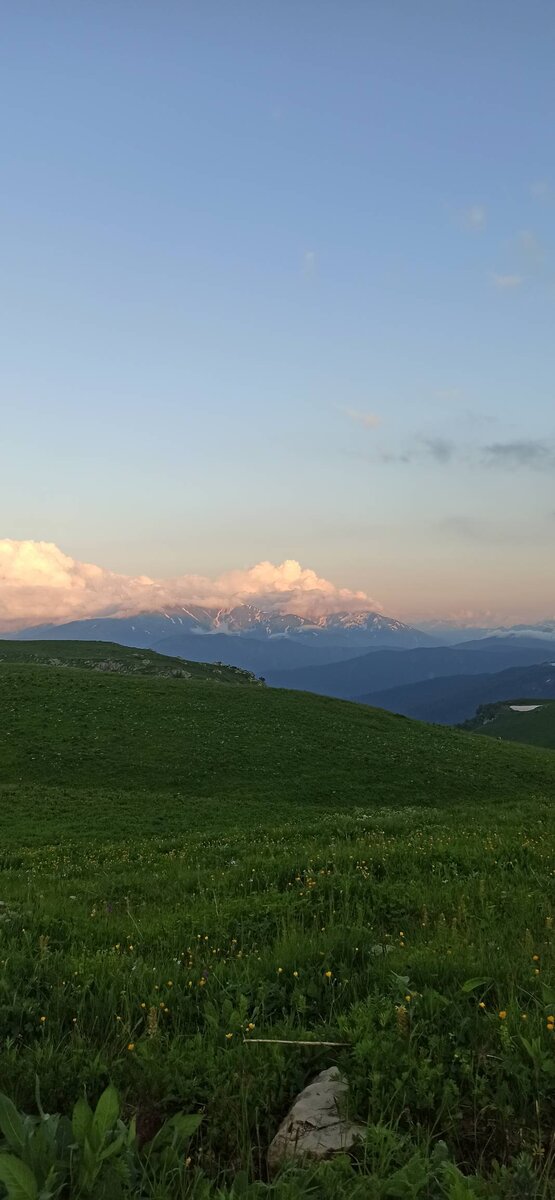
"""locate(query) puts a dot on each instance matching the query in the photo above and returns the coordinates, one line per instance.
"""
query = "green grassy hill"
(189, 865)
(535, 728)
(113, 659)
(68, 727)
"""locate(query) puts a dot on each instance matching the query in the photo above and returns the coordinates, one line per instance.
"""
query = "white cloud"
(506, 282)
(309, 262)
(474, 217)
(367, 419)
(39, 583)
(531, 248)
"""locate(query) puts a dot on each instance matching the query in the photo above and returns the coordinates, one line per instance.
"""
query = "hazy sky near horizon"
(278, 282)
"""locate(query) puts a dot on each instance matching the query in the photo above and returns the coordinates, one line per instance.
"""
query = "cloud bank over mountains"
(39, 584)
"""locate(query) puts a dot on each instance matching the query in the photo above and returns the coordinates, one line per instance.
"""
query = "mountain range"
(367, 674)
(356, 629)
(451, 700)
(351, 655)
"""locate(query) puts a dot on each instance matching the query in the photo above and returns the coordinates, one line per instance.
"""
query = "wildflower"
(524, 1016)
(229, 1036)
(42, 1020)
(202, 982)
(537, 971)
(550, 1020)
(549, 922)
(408, 999)
(502, 1014)
(535, 958)
(280, 970)
(143, 1005)
(328, 974)
(295, 974)
(131, 1046)
(481, 1004)
(251, 1026)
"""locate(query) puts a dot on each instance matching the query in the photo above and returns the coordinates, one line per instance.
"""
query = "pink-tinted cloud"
(39, 583)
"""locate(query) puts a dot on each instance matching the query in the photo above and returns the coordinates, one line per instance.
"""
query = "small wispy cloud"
(439, 448)
(368, 420)
(507, 282)
(536, 454)
(525, 454)
(531, 248)
(541, 190)
(474, 217)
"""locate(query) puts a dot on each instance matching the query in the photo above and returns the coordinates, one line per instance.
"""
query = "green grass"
(535, 728)
(113, 659)
(180, 861)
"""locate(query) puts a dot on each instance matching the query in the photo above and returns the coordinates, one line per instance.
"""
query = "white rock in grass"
(316, 1127)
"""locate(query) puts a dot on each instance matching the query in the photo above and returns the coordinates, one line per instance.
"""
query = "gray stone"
(316, 1127)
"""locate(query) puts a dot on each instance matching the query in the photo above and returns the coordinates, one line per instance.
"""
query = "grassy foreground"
(186, 868)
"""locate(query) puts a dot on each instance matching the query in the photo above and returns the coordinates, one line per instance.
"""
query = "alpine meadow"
(350, 877)
(277, 600)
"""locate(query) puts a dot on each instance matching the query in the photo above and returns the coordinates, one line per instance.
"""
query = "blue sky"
(278, 282)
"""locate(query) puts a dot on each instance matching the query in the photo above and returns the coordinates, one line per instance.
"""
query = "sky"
(278, 287)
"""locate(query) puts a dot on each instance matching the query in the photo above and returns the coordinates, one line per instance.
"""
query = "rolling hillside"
(452, 700)
(534, 728)
(68, 727)
(114, 659)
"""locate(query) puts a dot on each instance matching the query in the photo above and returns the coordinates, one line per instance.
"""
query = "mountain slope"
(356, 629)
(391, 668)
(261, 655)
(110, 658)
(533, 728)
(122, 737)
(452, 700)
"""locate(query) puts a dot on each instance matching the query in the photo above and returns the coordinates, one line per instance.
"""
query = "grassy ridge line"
(114, 659)
(77, 729)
